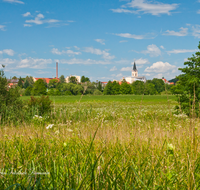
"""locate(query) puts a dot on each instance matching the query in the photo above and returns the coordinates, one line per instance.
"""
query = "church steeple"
(134, 71)
(134, 66)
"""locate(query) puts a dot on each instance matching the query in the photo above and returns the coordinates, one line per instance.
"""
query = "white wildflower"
(50, 126)
(69, 130)
(170, 147)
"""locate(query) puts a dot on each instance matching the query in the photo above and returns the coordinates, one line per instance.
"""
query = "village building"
(45, 79)
(135, 76)
(167, 82)
(78, 78)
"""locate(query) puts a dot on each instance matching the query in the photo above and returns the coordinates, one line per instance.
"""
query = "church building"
(135, 76)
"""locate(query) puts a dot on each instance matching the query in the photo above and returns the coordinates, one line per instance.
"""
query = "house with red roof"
(45, 79)
(167, 82)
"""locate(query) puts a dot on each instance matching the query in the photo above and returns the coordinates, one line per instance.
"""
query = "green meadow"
(109, 98)
(103, 142)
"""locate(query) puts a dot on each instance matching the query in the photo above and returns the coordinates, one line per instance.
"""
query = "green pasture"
(110, 98)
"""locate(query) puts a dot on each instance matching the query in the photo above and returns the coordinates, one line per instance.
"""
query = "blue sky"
(98, 39)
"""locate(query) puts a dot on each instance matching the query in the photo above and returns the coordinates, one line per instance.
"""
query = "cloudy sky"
(98, 39)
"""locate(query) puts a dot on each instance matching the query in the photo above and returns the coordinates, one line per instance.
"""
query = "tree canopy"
(188, 85)
(62, 79)
(39, 88)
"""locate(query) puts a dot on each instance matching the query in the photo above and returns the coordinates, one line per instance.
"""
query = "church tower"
(134, 71)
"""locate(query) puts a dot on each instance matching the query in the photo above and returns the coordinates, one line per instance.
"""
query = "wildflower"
(50, 126)
(69, 130)
(64, 144)
(170, 147)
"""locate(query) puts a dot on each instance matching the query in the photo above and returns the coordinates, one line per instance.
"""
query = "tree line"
(28, 87)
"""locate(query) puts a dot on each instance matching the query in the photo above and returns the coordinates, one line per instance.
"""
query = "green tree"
(97, 92)
(9, 99)
(159, 85)
(53, 83)
(28, 91)
(138, 87)
(73, 80)
(20, 82)
(14, 77)
(99, 86)
(85, 79)
(91, 86)
(39, 88)
(108, 90)
(26, 84)
(30, 80)
(62, 79)
(150, 89)
(125, 88)
(77, 89)
(188, 85)
(116, 87)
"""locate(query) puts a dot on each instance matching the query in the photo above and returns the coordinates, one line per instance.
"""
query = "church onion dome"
(134, 67)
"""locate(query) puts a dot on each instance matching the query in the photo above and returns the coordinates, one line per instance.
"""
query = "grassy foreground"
(103, 142)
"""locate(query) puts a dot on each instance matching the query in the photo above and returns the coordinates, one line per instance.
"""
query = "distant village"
(74, 85)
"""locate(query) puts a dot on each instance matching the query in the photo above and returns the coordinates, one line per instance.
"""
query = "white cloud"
(9, 52)
(2, 27)
(141, 61)
(12, 64)
(182, 32)
(77, 48)
(7, 61)
(120, 10)
(70, 21)
(198, 12)
(101, 41)
(127, 35)
(14, 1)
(26, 14)
(176, 51)
(122, 41)
(39, 19)
(196, 31)
(147, 7)
(68, 52)
(27, 25)
(83, 62)
(33, 63)
(161, 67)
(119, 75)
(152, 50)
(137, 37)
(104, 53)
(126, 69)
(113, 68)
(162, 47)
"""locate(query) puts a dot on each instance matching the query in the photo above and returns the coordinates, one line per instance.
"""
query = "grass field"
(109, 98)
(103, 142)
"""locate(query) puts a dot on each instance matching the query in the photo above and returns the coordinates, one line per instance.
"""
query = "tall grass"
(103, 145)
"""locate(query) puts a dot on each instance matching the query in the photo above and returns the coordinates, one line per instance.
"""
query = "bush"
(28, 91)
(42, 105)
(68, 93)
(97, 92)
